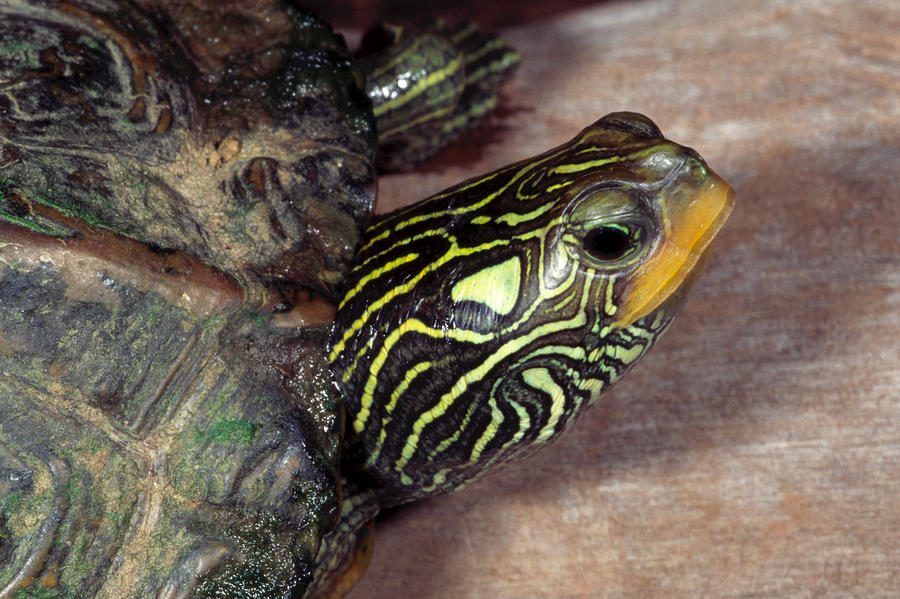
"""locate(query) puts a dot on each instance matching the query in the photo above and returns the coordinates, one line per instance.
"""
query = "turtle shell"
(181, 191)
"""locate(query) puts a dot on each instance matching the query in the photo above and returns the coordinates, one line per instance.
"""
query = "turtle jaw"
(692, 214)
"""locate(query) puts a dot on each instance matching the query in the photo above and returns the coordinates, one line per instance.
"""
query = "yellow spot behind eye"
(690, 229)
(497, 287)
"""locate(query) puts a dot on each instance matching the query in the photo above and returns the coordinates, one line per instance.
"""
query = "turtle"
(216, 365)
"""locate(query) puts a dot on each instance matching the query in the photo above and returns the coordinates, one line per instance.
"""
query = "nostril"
(695, 163)
(698, 169)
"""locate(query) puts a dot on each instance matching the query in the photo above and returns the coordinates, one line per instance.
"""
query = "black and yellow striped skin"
(413, 82)
(428, 85)
(478, 324)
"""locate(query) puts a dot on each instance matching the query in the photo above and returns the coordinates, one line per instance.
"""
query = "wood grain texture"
(756, 451)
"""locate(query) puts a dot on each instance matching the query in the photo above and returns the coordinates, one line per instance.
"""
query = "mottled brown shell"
(181, 186)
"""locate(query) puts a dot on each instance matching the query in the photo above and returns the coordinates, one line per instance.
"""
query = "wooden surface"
(756, 451)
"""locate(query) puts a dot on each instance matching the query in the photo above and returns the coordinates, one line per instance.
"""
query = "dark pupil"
(607, 243)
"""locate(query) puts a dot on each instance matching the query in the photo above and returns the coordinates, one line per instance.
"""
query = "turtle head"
(479, 323)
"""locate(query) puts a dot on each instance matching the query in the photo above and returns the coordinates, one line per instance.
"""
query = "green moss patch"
(230, 432)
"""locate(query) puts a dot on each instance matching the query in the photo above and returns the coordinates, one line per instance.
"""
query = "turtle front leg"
(346, 551)
(429, 85)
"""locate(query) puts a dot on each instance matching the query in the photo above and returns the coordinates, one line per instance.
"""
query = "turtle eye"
(609, 243)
